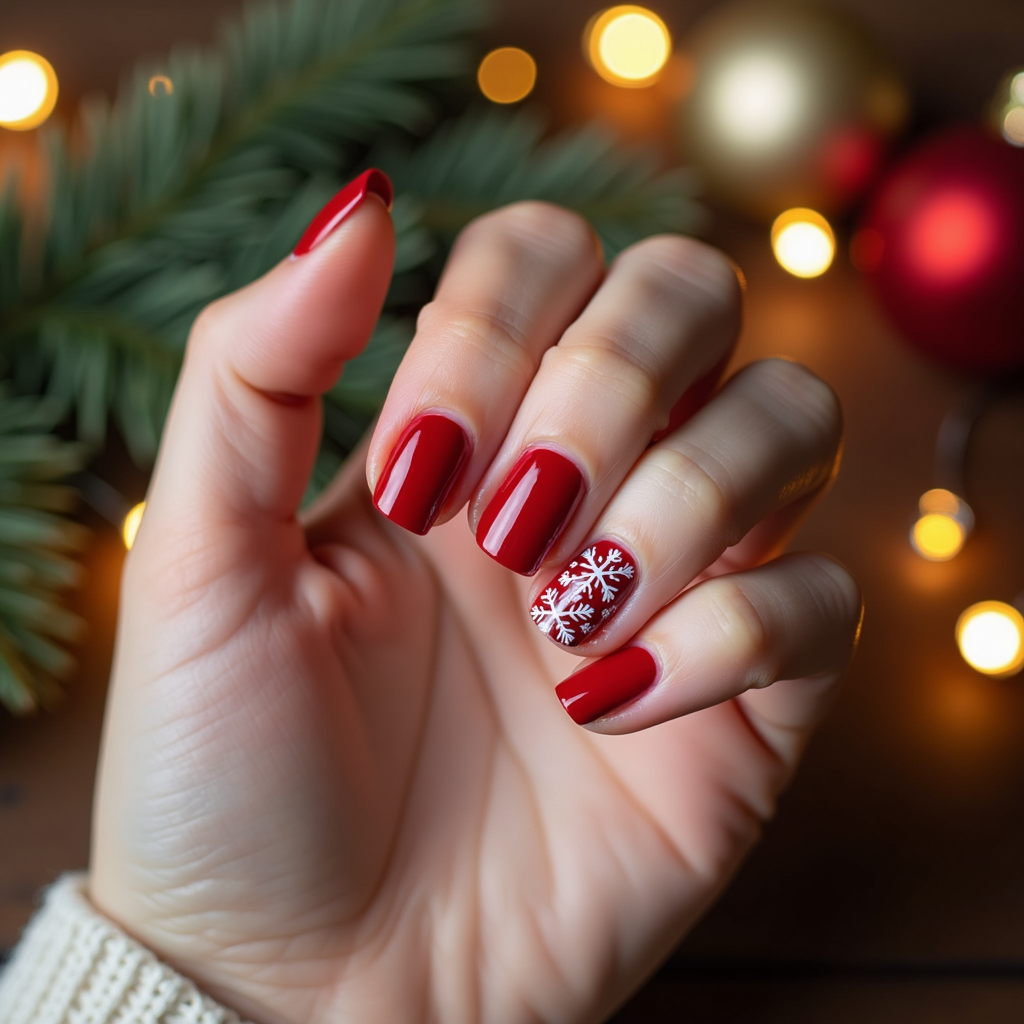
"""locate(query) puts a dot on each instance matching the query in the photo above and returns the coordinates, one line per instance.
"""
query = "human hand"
(336, 781)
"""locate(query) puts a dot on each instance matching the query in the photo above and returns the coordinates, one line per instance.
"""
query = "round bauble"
(942, 243)
(791, 105)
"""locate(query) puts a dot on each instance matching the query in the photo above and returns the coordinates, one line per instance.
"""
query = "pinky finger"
(795, 620)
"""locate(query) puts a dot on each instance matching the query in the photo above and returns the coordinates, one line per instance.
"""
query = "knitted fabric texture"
(73, 966)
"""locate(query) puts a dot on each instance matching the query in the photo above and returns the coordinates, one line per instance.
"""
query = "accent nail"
(586, 593)
(421, 471)
(530, 510)
(342, 204)
(607, 684)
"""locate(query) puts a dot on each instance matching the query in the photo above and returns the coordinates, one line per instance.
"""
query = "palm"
(374, 739)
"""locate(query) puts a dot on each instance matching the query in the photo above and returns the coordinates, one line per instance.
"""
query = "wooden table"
(891, 885)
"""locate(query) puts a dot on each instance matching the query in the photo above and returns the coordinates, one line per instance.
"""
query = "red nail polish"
(607, 684)
(421, 471)
(586, 593)
(694, 398)
(530, 510)
(342, 204)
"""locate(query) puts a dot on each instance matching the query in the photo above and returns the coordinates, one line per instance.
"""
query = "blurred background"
(891, 884)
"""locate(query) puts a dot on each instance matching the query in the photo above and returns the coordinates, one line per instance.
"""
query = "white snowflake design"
(599, 572)
(560, 612)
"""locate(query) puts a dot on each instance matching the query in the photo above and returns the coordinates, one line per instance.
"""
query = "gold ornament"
(792, 105)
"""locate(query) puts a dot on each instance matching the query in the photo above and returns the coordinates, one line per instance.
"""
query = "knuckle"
(800, 398)
(611, 367)
(496, 331)
(209, 325)
(533, 229)
(740, 624)
(690, 484)
(837, 593)
(681, 263)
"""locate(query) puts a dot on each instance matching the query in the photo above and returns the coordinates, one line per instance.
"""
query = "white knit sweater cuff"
(74, 966)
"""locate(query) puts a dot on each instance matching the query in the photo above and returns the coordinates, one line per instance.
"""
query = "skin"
(336, 784)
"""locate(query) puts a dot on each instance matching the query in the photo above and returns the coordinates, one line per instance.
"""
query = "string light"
(803, 242)
(507, 75)
(990, 636)
(28, 90)
(943, 524)
(627, 45)
(132, 522)
(160, 85)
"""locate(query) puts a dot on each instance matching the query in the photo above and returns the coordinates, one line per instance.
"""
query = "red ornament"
(942, 244)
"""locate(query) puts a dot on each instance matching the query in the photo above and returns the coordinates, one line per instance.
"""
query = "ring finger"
(768, 440)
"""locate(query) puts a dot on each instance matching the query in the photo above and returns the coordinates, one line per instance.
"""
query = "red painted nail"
(694, 398)
(342, 204)
(586, 593)
(530, 510)
(607, 684)
(421, 471)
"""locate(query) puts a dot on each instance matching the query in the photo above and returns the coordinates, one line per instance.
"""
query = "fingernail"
(530, 510)
(342, 204)
(584, 595)
(607, 684)
(421, 471)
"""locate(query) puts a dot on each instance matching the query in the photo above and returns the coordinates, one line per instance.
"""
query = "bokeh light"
(132, 522)
(758, 101)
(990, 636)
(627, 45)
(943, 525)
(937, 537)
(28, 90)
(160, 85)
(803, 242)
(507, 75)
(1013, 126)
(953, 236)
(1017, 87)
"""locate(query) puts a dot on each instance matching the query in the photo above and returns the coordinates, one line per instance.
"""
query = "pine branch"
(488, 158)
(175, 199)
(37, 545)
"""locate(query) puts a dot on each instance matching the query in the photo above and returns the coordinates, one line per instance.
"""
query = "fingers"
(245, 422)
(531, 374)
(795, 619)
(665, 315)
(768, 441)
(514, 281)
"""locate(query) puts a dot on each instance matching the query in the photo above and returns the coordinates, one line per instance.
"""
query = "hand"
(337, 782)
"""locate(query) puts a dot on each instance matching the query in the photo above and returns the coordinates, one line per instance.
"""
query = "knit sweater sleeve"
(73, 966)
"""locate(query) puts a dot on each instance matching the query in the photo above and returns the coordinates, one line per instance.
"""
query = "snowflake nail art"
(586, 593)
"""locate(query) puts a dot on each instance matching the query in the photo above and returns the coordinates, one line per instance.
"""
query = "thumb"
(244, 424)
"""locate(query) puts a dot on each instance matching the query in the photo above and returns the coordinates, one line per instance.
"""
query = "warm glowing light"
(990, 636)
(132, 521)
(28, 90)
(628, 45)
(937, 537)
(507, 75)
(160, 85)
(803, 242)
(953, 236)
(1013, 126)
(758, 101)
(943, 525)
(1017, 87)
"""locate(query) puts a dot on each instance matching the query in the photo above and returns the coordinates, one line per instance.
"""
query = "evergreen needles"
(36, 542)
(176, 194)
